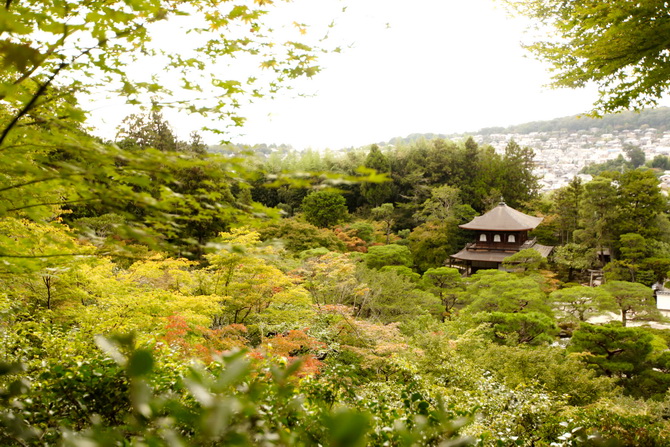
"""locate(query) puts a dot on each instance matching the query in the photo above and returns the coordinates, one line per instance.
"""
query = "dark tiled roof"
(544, 250)
(498, 256)
(503, 218)
(486, 256)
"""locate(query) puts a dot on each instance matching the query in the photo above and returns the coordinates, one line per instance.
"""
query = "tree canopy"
(53, 54)
(93, 45)
(632, 299)
(147, 299)
(620, 46)
(324, 208)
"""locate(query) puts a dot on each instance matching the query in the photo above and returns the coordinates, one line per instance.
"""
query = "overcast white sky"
(439, 66)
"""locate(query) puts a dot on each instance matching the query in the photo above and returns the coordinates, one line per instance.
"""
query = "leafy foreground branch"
(235, 400)
(129, 396)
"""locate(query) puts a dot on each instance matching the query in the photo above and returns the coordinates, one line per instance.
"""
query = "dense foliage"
(336, 347)
(620, 46)
(434, 180)
(152, 293)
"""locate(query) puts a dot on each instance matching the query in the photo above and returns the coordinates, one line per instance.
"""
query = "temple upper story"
(499, 233)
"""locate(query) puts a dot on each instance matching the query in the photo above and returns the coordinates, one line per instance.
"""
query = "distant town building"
(560, 156)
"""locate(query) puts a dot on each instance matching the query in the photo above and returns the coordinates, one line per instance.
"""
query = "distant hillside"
(263, 150)
(418, 136)
(655, 118)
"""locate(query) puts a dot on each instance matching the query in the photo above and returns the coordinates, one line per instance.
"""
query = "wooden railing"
(502, 246)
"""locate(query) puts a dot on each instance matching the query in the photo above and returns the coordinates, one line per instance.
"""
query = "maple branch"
(31, 182)
(33, 205)
(56, 255)
(40, 91)
(43, 87)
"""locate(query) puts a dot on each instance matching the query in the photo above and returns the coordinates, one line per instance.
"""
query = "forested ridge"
(657, 118)
(153, 293)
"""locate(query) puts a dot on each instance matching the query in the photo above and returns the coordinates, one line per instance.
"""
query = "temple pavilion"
(499, 234)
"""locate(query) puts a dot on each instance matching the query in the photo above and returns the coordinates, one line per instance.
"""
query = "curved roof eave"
(503, 218)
